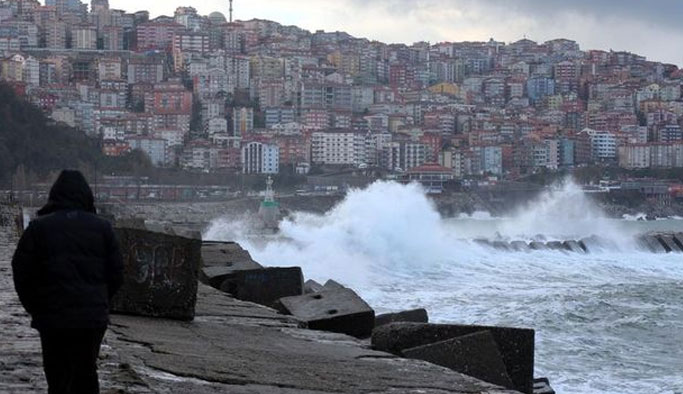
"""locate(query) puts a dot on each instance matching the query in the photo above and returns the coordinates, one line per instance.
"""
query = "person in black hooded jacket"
(66, 268)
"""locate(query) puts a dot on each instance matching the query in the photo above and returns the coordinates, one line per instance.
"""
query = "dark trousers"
(70, 360)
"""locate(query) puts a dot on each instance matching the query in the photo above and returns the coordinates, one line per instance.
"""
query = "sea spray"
(390, 227)
(562, 212)
(384, 227)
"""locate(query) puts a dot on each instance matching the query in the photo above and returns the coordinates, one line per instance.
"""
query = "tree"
(32, 147)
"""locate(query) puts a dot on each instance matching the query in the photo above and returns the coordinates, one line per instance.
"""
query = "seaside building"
(260, 158)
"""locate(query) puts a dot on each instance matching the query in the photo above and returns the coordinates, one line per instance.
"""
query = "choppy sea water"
(610, 322)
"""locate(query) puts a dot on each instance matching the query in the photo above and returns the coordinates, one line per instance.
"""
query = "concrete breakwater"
(231, 345)
(653, 243)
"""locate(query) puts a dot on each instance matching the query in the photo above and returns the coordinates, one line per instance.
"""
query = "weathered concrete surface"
(220, 261)
(238, 347)
(265, 286)
(414, 316)
(340, 310)
(651, 243)
(542, 386)
(226, 254)
(333, 285)
(20, 358)
(520, 246)
(536, 245)
(160, 274)
(515, 345)
(21, 368)
(474, 355)
(230, 347)
(311, 286)
(669, 243)
(573, 246)
(678, 238)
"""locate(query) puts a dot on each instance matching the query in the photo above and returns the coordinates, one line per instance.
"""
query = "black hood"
(70, 191)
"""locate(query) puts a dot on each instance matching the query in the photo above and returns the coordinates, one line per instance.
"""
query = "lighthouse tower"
(269, 211)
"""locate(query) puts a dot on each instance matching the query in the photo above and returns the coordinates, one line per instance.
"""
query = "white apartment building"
(634, 156)
(343, 147)
(603, 144)
(84, 37)
(403, 156)
(259, 158)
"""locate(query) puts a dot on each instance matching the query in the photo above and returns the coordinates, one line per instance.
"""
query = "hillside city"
(208, 94)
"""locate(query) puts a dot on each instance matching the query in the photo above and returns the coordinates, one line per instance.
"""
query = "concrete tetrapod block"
(669, 243)
(542, 386)
(333, 285)
(500, 245)
(652, 243)
(591, 245)
(574, 246)
(312, 286)
(163, 227)
(340, 310)
(215, 276)
(595, 244)
(186, 232)
(536, 245)
(557, 245)
(160, 274)
(516, 345)
(414, 316)
(475, 355)
(520, 246)
(678, 238)
(265, 286)
(220, 261)
(225, 254)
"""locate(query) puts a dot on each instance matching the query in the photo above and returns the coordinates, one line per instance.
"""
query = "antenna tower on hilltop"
(230, 11)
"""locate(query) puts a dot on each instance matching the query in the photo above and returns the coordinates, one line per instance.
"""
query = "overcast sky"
(653, 28)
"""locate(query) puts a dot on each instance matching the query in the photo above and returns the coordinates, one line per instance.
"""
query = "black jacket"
(67, 265)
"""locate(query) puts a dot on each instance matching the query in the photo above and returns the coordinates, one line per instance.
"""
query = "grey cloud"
(666, 12)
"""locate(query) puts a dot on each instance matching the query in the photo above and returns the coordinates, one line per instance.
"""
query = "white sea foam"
(563, 212)
(606, 323)
(634, 218)
(477, 215)
(387, 225)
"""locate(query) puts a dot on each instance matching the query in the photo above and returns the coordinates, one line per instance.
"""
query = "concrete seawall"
(231, 346)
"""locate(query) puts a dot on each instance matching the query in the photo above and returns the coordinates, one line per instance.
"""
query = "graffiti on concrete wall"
(156, 265)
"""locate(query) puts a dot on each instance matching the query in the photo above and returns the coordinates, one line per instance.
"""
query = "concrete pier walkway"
(20, 357)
